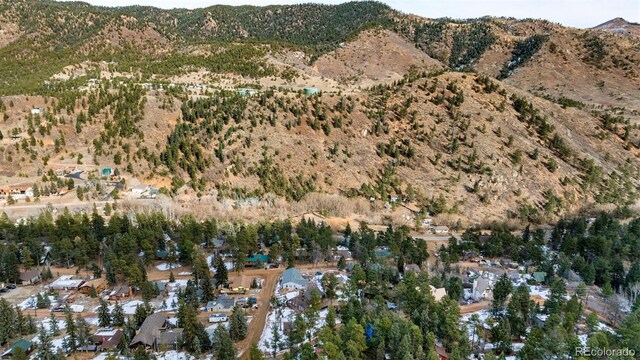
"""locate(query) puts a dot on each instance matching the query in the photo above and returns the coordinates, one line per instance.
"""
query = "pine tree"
(27, 261)
(104, 317)
(238, 325)
(222, 346)
(54, 329)
(83, 331)
(7, 321)
(118, 315)
(43, 348)
(221, 276)
(255, 353)
(71, 340)
(500, 293)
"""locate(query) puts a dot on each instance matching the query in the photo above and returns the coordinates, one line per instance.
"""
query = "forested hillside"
(211, 101)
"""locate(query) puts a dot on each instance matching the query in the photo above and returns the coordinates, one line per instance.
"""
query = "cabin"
(107, 339)
(539, 276)
(99, 285)
(257, 260)
(482, 289)
(30, 277)
(303, 300)
(121, 291)
(222, 304)
(156, 334)
(292, 279)
(23, 344)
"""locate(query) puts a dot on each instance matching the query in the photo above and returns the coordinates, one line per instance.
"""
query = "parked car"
(218, 318)
(4, 290)
(11, 286)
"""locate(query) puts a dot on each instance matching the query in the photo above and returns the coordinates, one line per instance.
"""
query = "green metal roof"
(22, 344)
(539, 276)
(258, 258)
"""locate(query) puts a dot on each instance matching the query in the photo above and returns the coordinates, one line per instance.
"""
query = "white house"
(292, 279)
(440, 229)
(482, 289)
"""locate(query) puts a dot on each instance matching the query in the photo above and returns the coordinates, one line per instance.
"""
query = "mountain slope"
(620, 26)
(209, 102)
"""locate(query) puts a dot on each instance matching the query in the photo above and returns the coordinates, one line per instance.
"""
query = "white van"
(218, 318)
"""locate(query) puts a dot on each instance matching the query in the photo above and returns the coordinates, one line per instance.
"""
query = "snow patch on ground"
(167, 267)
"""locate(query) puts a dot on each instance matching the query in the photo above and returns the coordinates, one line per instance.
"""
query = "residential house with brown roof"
(30, 277)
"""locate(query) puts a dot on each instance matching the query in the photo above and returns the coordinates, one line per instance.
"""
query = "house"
(292, 279)
(241, 284)
(257, 260)
(303, 300)
(17, 192)
(539, 276)
(310, 91)
(222, 304)
(169, 339)
(140, 190)
(161, 285)
(440, 230)
(99, 285)
(106, 172)
(482, 289)
(107, 339)
(247, 92)
(30, 277)
(120, 291)
(156, 334)
(438, 293)
(414, 268)
(25, 345)
(65, 282)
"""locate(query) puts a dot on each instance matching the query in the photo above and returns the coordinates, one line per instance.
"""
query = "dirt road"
(257, 324)
(466, 309)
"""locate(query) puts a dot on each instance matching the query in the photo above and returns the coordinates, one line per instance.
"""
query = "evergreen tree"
(8, 321)
(238, 325)
(104, 316)
(83, 331)
(221, 276)
(71, 340)
(44, 347)
(501, 291)
(117, 318)
(329, 285)
(54, 329)
(222, 346)
(556, 301)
